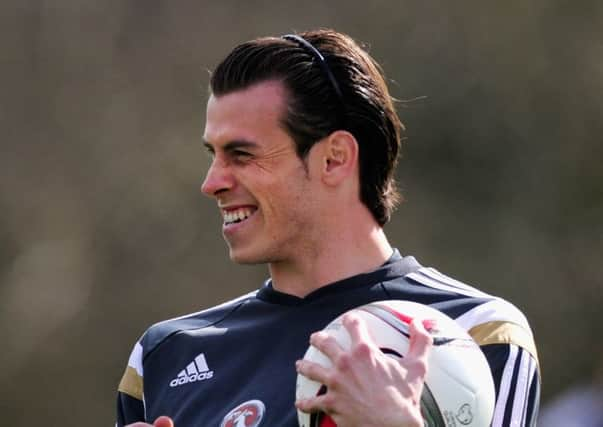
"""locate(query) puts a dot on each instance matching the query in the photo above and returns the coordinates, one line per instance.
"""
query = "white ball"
(458, 391)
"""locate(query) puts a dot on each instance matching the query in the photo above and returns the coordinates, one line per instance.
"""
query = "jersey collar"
(395, 266)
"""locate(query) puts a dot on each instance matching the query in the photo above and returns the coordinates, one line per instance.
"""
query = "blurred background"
(103, 230)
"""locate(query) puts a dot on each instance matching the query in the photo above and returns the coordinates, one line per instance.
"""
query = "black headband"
(319, 57)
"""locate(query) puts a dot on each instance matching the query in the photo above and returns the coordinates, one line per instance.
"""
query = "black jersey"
(235, 363)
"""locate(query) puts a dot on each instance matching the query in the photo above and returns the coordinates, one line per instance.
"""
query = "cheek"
(283, 197)
(283, 206)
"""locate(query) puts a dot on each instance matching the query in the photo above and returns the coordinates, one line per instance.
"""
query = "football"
(458, 390)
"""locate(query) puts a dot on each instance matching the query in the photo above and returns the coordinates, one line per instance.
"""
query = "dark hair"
(315, 109)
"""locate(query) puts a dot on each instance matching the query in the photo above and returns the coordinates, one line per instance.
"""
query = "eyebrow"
(232, 145)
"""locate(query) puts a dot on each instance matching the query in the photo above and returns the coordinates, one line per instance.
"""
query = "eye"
(210, 151)
(241, 155)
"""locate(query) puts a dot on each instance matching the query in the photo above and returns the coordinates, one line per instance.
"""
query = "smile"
(233, 216)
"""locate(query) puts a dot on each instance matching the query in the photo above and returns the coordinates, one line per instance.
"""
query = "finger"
(313, 404)
(163, 421)
(357, 329)
(313, 371)
(326, 343)
(420, 340)
(416, 360)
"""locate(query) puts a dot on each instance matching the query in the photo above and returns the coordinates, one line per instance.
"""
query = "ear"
(339, 157)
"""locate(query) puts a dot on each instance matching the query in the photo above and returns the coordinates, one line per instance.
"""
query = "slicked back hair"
(314, 108)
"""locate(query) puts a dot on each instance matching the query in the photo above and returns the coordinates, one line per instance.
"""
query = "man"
(305, 139)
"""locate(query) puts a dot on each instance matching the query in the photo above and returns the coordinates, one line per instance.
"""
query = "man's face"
(261, 186)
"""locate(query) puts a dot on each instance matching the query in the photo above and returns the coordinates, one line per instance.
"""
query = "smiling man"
(305, 140)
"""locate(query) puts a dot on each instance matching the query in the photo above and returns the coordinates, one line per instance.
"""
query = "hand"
(159, 422)
(365, 387)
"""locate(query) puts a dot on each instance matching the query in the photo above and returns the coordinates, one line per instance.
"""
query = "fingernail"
(430, 324)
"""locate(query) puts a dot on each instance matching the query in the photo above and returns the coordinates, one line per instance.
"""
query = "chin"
(246, 257)
(254, 254)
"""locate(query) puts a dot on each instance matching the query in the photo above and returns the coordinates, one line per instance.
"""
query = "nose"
(218, 179)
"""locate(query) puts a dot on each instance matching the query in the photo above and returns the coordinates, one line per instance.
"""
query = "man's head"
(356, 101)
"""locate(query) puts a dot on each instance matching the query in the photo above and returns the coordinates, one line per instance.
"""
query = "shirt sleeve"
(505, 337)
(517, 382)
(130, 399)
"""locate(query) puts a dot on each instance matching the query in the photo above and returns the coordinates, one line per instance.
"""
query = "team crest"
(247, 414)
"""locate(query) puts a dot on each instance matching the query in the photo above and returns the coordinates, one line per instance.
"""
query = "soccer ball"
(458, 390)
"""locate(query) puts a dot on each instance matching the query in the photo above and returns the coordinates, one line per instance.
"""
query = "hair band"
(319, 57)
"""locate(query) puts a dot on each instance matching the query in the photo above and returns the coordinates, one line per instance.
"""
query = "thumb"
(163, 422)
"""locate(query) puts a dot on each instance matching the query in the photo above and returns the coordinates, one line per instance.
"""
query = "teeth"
(236, 216)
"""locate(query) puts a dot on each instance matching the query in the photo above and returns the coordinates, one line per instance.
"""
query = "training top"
(234, 364)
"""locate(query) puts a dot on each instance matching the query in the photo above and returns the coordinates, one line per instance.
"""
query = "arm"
(517, 381)
(129, 409)
(509, 346)
(130, 406)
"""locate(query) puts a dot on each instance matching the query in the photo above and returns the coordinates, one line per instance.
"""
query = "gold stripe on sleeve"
(131, 383)
(501, 332)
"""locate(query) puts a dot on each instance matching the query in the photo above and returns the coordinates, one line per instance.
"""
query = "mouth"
(237, 215)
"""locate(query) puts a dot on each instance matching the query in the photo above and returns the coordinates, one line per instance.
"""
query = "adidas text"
(191, 378)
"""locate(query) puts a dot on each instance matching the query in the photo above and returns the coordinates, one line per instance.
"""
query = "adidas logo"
(197, 370)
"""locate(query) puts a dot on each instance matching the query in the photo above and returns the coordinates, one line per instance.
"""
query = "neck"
(350, 251)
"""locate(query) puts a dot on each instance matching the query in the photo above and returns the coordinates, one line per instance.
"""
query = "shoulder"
(159, 332)
(489, 319)
(131, 383)
(479, 306)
